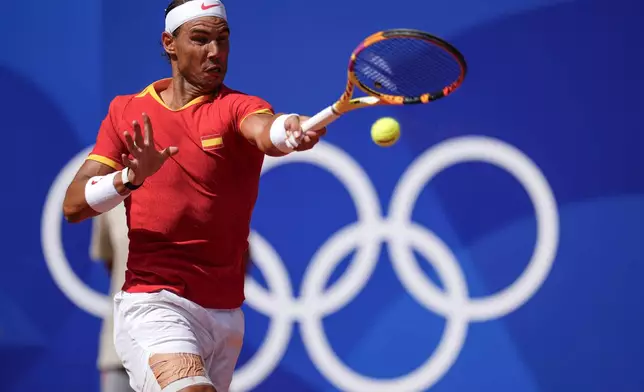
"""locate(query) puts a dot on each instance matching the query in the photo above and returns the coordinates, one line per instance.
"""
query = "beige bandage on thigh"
(168, 368)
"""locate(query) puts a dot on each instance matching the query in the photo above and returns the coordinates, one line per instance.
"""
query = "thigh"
(115, 380)
(159, 342)
(228, 332)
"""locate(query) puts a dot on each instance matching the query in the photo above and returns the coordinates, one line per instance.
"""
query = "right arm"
(98, 187)
(75, 206)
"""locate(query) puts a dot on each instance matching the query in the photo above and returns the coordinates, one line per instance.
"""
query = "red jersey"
(189, 223)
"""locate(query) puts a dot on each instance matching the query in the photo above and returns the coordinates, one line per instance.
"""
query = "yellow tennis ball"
(385, 132)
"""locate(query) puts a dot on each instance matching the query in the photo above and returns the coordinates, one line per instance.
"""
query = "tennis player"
(184, 155)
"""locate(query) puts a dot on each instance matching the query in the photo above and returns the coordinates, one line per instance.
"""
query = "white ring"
(367, 204)
(485, 149)
(323, 356)
(76, 290)
(279, 332)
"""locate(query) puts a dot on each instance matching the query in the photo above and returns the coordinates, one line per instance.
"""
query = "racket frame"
(347, 103)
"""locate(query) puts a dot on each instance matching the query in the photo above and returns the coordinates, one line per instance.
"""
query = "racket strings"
(406, 67)
(417, 67)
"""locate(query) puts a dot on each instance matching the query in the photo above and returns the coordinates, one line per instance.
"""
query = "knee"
(180, 370)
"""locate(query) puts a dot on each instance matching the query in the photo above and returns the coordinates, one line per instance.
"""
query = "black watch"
(126, 180)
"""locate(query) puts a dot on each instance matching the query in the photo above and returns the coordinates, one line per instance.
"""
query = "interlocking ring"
(402, 237)
(397, 230)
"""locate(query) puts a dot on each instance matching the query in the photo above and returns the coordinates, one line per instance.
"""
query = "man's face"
(201, 51)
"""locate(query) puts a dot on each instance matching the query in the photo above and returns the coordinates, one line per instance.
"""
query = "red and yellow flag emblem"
(212, 142)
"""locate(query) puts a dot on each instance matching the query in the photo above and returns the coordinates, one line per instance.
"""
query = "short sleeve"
(109, 146)
(100, 246)
(245, 105)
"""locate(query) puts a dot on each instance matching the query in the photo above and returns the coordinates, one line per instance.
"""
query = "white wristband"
(100, 193)
(278, 135)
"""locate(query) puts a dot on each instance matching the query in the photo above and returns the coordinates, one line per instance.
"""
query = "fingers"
(141, 139)
(318, 132)
(294, 133)
(298, 139)
(293, 127)
(144, 159)
(313, 136)
(170, 151)
(129, 142)
(148, 137)
(138, 135)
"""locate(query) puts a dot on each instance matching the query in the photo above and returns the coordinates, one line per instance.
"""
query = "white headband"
(193, 10)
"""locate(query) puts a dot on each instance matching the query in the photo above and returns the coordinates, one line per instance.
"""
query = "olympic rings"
(372, 230)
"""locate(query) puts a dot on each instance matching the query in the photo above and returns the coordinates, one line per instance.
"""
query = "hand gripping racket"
(397, 67)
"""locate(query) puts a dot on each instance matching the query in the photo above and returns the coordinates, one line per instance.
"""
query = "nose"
(213, 49)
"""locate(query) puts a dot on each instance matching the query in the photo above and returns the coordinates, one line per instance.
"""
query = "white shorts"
(163, 323)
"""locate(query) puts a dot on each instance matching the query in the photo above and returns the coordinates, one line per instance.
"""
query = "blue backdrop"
(553, 97)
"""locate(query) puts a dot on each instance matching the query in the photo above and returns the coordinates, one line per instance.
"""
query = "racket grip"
(320, 120)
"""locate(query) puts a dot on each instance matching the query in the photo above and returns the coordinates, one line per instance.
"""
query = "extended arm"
(279, 134)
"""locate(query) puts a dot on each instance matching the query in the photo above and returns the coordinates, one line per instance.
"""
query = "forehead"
(207, 24)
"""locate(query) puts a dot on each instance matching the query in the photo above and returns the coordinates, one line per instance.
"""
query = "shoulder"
(233, 106)
(119, 103)
(236, 97)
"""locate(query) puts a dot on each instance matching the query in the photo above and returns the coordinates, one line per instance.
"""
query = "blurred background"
(541, 246)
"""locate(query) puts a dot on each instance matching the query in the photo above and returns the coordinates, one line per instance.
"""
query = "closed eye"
(200, 40)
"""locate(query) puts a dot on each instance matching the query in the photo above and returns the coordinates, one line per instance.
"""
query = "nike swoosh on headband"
(206, 7)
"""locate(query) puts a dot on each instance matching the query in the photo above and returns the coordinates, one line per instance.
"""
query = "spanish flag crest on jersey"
(212, 142)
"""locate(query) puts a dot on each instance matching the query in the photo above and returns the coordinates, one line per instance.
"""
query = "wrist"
(130, 180)
(279, 137)
(133, 178)
(102, 193)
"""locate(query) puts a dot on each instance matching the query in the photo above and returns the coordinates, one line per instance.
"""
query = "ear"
(168, 41)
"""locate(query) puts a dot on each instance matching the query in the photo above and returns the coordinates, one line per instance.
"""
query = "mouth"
(214, 70)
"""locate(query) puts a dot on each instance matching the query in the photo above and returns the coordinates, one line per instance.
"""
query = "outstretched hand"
(146, 159)
(303, 140)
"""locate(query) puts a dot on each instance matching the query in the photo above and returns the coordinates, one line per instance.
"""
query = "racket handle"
(320, 120)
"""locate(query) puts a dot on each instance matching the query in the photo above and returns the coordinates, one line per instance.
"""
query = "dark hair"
(174, 4)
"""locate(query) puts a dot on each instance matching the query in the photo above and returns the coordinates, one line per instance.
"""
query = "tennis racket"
(397, 67)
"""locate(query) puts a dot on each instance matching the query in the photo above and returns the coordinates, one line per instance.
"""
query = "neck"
(180, 92)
